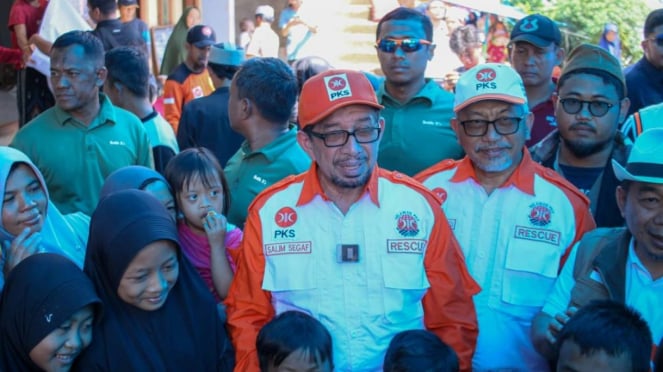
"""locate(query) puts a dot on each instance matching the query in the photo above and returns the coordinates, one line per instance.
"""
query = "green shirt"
(75, 159)
(248, 173)
(417, 134)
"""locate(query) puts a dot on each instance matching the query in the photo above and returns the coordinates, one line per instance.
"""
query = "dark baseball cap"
(127, 2)
(536, 29)
(201, 36)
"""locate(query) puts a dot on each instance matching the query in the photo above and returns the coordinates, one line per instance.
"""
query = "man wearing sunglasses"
(514, 219)
(590, 104)
(367, 252)
(644, 79)
(417, 111)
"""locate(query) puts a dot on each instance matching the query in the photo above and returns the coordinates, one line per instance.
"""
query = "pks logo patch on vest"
(407, 224)
(540, 214)
(285, 217)
(337, 87)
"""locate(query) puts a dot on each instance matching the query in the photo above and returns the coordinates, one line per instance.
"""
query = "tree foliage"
(583, 21)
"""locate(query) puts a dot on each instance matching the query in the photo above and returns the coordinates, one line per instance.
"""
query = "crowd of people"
(469, 209)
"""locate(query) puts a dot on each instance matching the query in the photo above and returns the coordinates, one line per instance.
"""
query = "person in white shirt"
(515, 220)
(264, 42)
(623, 264)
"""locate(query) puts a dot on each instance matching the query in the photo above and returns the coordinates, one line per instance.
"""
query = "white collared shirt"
(643, 293)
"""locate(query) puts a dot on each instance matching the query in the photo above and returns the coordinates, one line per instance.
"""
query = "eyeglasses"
(406, 45)
(596, 108)
(658, 39)
(339, 138)
(479, 128)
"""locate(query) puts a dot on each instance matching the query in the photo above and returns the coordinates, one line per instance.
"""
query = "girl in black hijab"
(46, 314)
(159, 314)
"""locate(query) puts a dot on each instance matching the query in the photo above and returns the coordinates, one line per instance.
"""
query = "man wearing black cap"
(534, 51)
(110, 29)
(190, 79)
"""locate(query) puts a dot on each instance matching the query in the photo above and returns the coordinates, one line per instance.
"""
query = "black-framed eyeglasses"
(658, 39)
(406, 45)
(503, 126)
(338, 138)
(573, 106)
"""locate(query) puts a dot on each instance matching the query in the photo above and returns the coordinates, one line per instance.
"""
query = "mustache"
(585, 126)
(480, 148)
(347, 158)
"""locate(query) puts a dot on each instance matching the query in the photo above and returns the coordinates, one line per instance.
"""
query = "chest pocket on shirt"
(405, 284)
(530, 271)
(290, 278)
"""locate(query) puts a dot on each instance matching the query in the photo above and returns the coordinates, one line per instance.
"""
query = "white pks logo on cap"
(337, 87)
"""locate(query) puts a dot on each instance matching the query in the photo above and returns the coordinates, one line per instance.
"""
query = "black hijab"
(186, 333)
(42, 292)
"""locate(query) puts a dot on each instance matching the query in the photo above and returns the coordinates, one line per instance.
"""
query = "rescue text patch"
(537, 235)
(416, 246)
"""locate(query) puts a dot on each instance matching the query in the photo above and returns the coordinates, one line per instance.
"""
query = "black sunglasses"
(573, 106)
(406, 45)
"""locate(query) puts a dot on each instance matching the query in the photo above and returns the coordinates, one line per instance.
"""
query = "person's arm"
(547, 323)
(42, 44)
(222, 275)
(23, 246)
(172, 103)
(249, 307)
(546, 328)
(22, 41)
(253, 48)
(448, 306)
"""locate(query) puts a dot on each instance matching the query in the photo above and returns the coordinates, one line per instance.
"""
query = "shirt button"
(354, 333)
(481, 254)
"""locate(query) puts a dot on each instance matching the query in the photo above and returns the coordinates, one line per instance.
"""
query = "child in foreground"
(294, 341)
(604, 336)
(419, 350)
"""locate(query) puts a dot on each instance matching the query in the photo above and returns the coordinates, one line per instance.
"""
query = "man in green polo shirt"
(262, 95)
(417, 112)
(82, 139)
